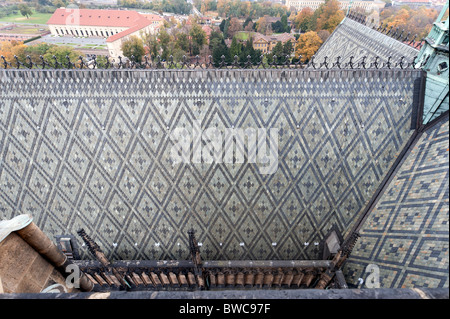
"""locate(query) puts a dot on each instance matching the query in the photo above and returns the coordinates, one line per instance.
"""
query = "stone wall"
(91, 149)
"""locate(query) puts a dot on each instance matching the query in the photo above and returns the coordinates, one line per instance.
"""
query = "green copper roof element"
(348, 10)
(433, 58)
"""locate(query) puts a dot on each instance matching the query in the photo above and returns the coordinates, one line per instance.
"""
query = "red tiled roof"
(132, 20)
(96, 17)
(142, 24)
(152, 17)
(284, 37)
(207, 30)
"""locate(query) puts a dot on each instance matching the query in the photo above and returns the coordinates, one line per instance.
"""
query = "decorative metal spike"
(82, 62)
(406, 37)
(5, 64)
(69, 64)
(91, 244)
(30, 62)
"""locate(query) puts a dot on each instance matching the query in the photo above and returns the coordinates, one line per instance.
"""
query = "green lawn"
(243, 36)
(35, 18)
(25, 29)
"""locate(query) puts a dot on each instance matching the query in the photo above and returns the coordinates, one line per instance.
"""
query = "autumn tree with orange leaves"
(329, 15)
(414, 21)
(307, 45)
(9, 49)
(303, 20)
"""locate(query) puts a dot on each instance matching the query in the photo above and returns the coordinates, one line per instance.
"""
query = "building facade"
(267, 43)
(113, 25)
(299, 5)
(412, 3)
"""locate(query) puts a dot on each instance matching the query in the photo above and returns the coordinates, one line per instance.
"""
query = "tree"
(218, 48)
(417, 21)
(182, 41)
(323, 35)
(246, 22)
(284, 23)
(198, 36)
(35, 51)
(249, 27)
(303, 19)
(262, 25)
(288, 48)
(328, 16)
(164, 41)
(277, 27)
(233, 28)
(59, 3)
(235, 47)
(278, 52)
(133, 47)
(248, 50)
(307, 45)
(60, 52)
(152, 46)
(25, 10)
(224, 27)
(6, 51)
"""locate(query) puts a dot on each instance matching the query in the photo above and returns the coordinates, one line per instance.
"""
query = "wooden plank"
(100, 280)
(212, 280)
(229, 280)
(297, 280)
(155, 280)
(239, 279)
(259, 279)
(220, 280)
(91, 279)
(249, 279)
(108, 279)
(308, 279)
(115, 281)
(146, 279)
(191, 279)
(130, 281)
(182, 280)
(164, 280)
(287, 280)
(277, 279)
(173, 279)
(201, 281)
(268, 279)
(137, 279)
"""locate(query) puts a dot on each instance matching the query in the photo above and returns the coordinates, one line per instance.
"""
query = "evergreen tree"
(246, 22)
(248, 50)
(235, 48)
(284, 23)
